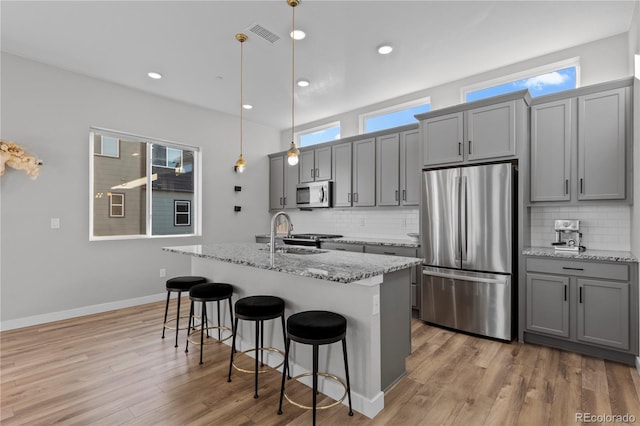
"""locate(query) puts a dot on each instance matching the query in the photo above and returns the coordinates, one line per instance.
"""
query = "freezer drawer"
(477, 303)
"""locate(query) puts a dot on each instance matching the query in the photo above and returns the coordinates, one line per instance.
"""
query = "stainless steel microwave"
(314, 194)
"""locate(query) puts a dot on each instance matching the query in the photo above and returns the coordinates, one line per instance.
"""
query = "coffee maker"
(568, 235)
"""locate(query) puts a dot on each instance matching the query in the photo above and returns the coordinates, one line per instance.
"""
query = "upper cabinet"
(341, 158)
(398, 169)
(410, 169)
(364, 173)
(474, 132)
(315, 164)
(580, 143)
(283, 179)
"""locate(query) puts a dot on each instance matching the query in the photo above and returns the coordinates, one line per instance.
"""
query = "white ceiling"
(192, 43)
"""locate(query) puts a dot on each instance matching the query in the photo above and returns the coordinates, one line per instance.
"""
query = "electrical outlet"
(376, 305)
(163, 272)
(55, 223)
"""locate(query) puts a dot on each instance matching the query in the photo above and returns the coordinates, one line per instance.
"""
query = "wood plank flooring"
(114, 369)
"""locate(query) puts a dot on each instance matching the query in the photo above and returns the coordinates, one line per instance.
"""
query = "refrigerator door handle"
(465, 277)
(463, 217)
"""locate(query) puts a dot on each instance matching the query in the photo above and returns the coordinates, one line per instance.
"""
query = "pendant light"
(293, 153)
(241, 165)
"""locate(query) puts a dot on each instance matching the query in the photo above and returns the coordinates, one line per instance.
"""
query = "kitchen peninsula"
(372, 291)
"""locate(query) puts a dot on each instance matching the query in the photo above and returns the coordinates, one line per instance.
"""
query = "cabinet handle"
(312, 173)
(391, 253)
(396, 195)
(339, 249)
(469, 147)
(459, 148)
(284, 201)
(348, 197)
(355, 197)
(580, 294)
(566, 186)
(281, 202)
(573, 269)
(565, 292)
(317, 172)
(404, 195)
(582, 185)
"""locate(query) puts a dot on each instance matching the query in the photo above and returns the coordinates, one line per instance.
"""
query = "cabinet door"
(307, 166)
(547, 304)
(410, 170)
(364, 173)
(359, 248)
(602, 145)
(551, 151)
(290, 184)
(491, 131)
(276, 182)
(341, 161)
(442, 139)
(323, 163)
(603, 313)
(388, 170)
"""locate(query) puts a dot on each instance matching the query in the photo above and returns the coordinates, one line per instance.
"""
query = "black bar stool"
(316, 328)
(178, 285)
(258, 309)
(208, 292)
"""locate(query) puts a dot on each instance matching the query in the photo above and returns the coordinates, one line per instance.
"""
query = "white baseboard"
(638, 364)
(79, 312)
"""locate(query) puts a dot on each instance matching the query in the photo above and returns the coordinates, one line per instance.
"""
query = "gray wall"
(48, 274)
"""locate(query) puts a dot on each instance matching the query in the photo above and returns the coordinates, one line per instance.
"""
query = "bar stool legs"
(178, 285)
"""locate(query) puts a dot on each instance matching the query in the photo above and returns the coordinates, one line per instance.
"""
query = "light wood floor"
(114, 368)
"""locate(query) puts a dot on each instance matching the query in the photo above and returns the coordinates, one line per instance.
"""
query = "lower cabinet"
(591, 304)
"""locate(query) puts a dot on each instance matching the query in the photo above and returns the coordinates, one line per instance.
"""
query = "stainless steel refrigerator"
(467, 216)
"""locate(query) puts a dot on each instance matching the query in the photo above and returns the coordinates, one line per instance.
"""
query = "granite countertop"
(604, 255)
(329, 265)
(377, 241)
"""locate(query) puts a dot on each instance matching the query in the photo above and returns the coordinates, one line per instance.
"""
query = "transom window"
(540, 81)
(160, 181)
(320, 134)
(394, 116)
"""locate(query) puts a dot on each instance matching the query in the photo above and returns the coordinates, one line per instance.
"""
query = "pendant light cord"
(241, 75)
(293, 62)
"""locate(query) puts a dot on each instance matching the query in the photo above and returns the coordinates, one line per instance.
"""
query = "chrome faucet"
(272, 241)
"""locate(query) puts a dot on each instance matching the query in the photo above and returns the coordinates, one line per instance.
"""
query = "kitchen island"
(371, 291)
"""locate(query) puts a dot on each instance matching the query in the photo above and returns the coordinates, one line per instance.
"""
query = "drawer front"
(392, 250)
(342, 247)
(578, 268)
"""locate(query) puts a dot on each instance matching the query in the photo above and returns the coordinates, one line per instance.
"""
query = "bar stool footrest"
(319, 407)
(266, 367)
(194, 337)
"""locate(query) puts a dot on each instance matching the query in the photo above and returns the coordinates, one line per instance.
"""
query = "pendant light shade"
(241, 165)
(293, 153)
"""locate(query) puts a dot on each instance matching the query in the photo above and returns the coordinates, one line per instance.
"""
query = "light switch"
(55, 223)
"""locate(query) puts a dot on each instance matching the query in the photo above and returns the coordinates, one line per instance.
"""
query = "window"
(116, 205)
(159, 179)
(320, 134)
(394, 116)
(181, 213)
(540, 81)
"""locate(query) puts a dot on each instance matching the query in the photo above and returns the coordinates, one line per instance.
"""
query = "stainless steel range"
(309, 239)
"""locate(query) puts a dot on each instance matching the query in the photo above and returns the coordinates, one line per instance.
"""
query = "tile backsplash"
(602, 227)
(358, 222)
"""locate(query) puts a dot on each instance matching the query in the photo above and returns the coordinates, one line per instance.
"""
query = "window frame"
(362, 118)
(298, 135)
(112, 204)
(196, 203)
(102, 154)
(521, 75)
(176, 213)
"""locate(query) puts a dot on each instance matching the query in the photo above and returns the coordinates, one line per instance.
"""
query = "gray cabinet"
(359, 248)
(283, 179)
(548, 304)
(315, 164)
(593, 306)
(579, 145)
(551, 151)
(341, 162)
(388, 170)
(481, 133)
(410, 169)
(364, 173)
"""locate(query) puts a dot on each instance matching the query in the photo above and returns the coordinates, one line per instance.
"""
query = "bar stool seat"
(178, 285)
(316, 328)
(208, 292)
(258, 309)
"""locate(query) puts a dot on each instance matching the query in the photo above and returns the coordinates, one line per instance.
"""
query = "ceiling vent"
(264, 33)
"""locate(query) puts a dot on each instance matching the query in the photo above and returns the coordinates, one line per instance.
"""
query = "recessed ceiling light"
(385, 49)
(247, 106)
(303, 83)
(297, 34)
(155, 75)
